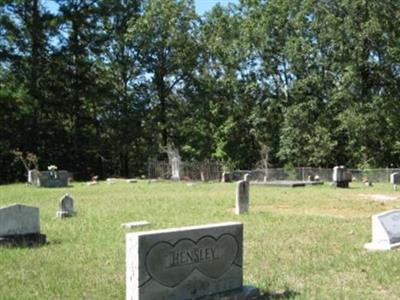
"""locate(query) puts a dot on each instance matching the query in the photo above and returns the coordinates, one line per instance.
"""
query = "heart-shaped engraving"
(171, 264)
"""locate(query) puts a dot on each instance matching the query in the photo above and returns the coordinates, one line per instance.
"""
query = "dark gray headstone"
(66, 207)
(20, 224)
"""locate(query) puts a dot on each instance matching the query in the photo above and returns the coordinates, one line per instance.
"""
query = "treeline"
(100, 87)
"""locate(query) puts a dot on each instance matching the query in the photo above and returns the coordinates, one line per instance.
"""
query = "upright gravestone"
(20, 224)
(33, 177)
(385, 231)
(175, 168)
(395, 179)
(340, 177)
(242, 195)
(186, 263)
(226, 177)
(66, 207)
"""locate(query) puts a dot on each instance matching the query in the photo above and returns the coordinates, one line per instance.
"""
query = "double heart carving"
(214, 257)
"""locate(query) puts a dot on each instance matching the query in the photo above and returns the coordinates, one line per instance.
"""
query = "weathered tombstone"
(246, 177)
(175, 166)
(66, 207)
(395, 179)
(187, 263)
(226, 177)
(33, 177)
(242, 196)
(385, 231)
(341, 177)
(20, 224)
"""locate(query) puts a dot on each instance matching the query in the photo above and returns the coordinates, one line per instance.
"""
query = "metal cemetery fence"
(190, 170)
(212, 170)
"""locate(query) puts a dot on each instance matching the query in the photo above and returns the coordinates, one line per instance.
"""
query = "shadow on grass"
(286, 294)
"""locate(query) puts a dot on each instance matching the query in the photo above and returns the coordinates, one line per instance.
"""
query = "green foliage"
(99, 87)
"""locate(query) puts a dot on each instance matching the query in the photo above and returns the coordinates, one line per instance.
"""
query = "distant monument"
(174, 160)
(242, 195)
(395, 179)
(51, 178)
(341, 177)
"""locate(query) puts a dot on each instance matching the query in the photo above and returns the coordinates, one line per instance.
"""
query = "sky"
(201, 5)
(204, 5)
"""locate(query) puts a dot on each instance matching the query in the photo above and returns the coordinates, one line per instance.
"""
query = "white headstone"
(246, 177)
(175, 168)
(66, 207)
(184, 263)
(385, 231)
(135, 224)
(19, 219)
(242, 197)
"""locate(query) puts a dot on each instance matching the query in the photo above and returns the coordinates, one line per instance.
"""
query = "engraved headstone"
(20, 224)
(242, 197)
(385, 231)
(66, 207)
(186, 263)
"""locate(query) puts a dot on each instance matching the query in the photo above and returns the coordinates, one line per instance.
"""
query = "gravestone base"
(340, 184)
(381, 246)
(247, 292)
(26, 240)
(61, 214)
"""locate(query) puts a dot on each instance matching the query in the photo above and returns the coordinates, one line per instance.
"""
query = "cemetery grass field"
(299, 243)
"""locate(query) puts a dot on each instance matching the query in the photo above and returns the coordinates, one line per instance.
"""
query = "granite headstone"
(66, 207)
(186, 263)
(385, 231)
(20, 224)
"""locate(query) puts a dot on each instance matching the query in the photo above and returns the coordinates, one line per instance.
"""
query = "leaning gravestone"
(395, 179)
(200, 262)
(385, 231)
(242, 196)
(20, 224)
(66, 207)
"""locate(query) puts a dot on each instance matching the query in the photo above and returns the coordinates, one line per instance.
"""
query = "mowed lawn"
(299, 243)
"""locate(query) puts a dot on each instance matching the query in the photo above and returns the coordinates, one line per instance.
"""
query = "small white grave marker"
(135, 224)
(385, 231)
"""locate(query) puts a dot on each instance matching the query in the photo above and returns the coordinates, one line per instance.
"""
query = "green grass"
(300, 243)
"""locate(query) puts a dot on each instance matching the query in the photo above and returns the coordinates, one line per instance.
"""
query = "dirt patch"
(379, 197)
(328, 212)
